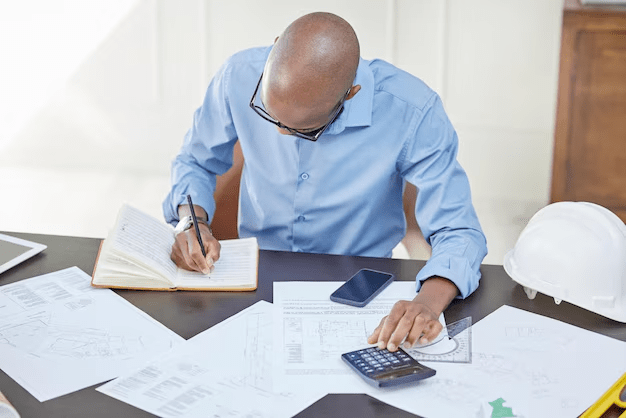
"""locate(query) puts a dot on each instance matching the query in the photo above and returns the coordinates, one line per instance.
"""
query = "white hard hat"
(573, 251)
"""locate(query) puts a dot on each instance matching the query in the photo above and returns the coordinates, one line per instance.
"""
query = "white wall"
(117, 118)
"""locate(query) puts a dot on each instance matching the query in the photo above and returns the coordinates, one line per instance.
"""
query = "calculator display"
(382, 368)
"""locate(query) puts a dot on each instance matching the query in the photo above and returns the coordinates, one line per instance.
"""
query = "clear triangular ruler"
(455, 347)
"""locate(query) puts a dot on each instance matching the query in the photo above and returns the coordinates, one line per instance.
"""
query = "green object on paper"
(500, 411)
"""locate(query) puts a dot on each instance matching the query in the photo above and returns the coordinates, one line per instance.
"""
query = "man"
(328, 141)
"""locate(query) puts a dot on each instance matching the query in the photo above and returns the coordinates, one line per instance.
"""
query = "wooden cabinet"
(590, 134)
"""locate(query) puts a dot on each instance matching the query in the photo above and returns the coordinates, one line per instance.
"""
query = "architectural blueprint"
(58, 334)
(311, 332)
(525, 364)
(225, 371)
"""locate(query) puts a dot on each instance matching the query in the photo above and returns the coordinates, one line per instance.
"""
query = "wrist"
(436, 293)
(184, 210)
(186, 222)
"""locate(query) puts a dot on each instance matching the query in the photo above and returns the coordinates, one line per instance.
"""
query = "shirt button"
(304, 176)
(301, 218)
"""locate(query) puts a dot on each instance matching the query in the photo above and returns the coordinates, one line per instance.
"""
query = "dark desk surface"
(189, 313)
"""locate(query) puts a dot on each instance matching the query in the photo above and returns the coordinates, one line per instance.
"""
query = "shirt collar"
(358, 110)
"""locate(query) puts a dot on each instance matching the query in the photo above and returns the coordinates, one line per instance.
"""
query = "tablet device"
(15, 250)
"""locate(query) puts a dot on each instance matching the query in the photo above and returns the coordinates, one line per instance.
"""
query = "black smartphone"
(362, 287)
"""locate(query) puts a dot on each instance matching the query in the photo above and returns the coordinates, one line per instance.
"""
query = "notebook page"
(145, 240)
(237, 267)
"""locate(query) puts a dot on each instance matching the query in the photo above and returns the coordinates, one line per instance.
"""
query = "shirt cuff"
(456, 269)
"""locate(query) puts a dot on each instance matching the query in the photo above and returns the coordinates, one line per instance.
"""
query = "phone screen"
(362, 287)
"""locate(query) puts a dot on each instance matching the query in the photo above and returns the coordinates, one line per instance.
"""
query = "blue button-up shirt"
(343, 193)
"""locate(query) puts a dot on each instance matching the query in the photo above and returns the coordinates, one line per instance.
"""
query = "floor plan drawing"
(189, 382)
(58, 334)
(331, 336)
(39, 336)
(311, 332)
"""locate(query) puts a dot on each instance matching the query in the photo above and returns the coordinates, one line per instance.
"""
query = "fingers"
(187, 254)
(431, 332)
(411, 339)
(397, 326)
(193, 256)
(406, 322)
(212, 247)
(372, 339)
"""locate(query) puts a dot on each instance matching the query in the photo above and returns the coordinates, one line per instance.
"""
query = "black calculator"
(383, 368)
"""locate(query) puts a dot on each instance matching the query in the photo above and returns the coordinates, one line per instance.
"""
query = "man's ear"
(353, 91)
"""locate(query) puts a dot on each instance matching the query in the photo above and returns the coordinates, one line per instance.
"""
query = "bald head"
(309, 70)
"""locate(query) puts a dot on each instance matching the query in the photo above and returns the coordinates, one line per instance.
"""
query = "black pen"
(195, 223)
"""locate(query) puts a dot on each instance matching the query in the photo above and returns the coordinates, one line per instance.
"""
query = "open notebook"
(136, 255)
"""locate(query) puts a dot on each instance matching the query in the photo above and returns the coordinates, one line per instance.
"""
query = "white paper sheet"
(311, 332)
(534, 365)
(58, 334)
(225, 371)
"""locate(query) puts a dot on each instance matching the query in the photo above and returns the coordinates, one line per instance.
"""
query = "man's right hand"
(186, 252)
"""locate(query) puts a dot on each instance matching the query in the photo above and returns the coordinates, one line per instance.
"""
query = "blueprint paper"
(311, 332)
(523, 365)
(225, 371)
(58, 334)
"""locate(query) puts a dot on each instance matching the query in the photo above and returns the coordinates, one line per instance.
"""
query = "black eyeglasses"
(311, 135)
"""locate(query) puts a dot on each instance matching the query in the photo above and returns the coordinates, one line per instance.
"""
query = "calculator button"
(384, 368)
